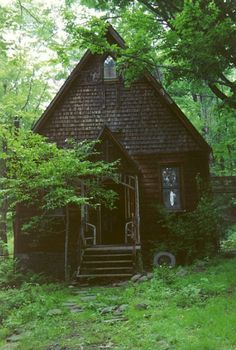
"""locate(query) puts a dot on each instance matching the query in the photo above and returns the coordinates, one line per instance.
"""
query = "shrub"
(230, 241)
(12, 276)
(192, 235)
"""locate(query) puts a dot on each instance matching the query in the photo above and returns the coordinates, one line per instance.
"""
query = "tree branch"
(231, 102)
(29, 92)
(22, 7)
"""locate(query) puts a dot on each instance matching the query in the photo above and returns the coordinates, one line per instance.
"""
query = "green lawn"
(192, 309)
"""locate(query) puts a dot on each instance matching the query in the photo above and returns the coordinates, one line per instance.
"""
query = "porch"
(109, 242)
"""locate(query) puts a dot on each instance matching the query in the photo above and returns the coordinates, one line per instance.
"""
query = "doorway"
(112, 221)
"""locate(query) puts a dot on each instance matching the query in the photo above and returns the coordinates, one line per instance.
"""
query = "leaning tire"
(164, 258)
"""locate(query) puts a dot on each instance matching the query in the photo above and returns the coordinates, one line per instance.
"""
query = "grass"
(181, 309)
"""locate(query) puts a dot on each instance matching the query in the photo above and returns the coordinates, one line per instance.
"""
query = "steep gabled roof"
(114, 37)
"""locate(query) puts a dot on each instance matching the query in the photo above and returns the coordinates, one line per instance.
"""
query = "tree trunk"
(3, 208)
(66, 267)
(3, 228)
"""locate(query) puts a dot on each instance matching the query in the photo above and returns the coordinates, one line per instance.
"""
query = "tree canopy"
(197, 38)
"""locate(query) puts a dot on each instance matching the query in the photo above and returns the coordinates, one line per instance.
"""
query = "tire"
(164, 258)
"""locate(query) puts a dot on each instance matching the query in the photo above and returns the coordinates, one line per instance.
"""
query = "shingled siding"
(143, 120)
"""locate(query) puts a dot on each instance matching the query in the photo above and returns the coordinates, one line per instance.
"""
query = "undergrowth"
(184, 308)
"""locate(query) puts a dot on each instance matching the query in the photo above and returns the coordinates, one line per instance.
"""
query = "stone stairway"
(107, 261)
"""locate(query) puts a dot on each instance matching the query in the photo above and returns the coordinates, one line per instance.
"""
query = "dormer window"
(109, 67)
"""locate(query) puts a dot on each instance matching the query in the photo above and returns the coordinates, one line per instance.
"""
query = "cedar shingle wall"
(145, 123)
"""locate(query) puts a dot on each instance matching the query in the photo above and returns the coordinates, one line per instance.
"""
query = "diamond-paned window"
(171, 191)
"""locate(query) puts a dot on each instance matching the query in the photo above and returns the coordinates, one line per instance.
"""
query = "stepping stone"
(141, 306)
(107, 310)
(143, 279)
(14, 338)
(163, 345)
(150, 275)
(76, 309)
(69, 304)
(88, 298)
(121, 309)
(136, 277)
(113, 320)
(54, 312)
(109, 345)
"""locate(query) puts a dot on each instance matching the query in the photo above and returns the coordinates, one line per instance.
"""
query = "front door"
(115, 226)
(113, 220)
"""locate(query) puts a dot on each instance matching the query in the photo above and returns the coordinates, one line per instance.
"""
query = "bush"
(12, 276)
(192, 235)
(230, 241)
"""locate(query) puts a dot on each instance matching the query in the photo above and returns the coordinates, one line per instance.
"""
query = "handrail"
(82, 238)
(130, 232)
(94, 229)
(81, 245)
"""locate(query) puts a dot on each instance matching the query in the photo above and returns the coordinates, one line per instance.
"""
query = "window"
(109, 67)
(171, 191)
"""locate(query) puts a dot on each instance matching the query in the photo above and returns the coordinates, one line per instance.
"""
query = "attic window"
(171, 191)
(109, 67)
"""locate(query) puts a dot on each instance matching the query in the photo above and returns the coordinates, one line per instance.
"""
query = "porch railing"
(130, 232)
(90, 233)
(131, 235)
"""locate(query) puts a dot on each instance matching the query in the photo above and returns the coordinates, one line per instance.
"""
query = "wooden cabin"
(161, 155)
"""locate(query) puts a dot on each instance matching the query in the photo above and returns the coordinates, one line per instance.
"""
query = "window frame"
(107, 80)
(180, 186)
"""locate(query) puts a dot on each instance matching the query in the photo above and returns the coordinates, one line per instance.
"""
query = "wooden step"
(105, 255)
(109, 248)
(108, 268)
(107, 262)
(119, 275)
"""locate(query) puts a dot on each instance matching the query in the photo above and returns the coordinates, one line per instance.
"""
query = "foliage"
(28, 294)
(9, 276)
(192, 235)
(28, 35)
(27, 30)
(192, 311)
(38, 172)
(12, 276)
(230, 240)
(198, 37)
